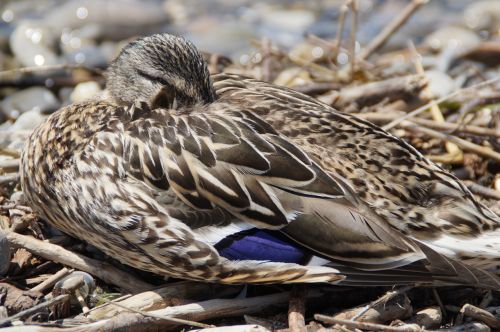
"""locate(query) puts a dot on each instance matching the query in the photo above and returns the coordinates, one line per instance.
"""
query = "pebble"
(440, 84)
(33, 44)
(17, 197)
(428, 318)
(84, 91)
(31, 99)
(28, 121)
(483, 15)
(88, 282)
(452, 37)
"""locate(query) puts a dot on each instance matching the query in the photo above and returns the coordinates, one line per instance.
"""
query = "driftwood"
(173, 294)
(194, 312)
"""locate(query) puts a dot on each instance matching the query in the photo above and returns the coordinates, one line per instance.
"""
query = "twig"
(397, 88)
(340, 30)
(439, 100)
(81, 299)
(176, 321)
(382, 300)
(392, 27)
(9, 165)
(378, 117)
(354, 27)
(168, 295)
(315, 88)
(29, 70)
(468, 327)
(296, 309)
(9, 178)
(464, 144)
(58, 254)
(439, 302)
(455, 154)
(52, 280)
(235, 328)
(266, 59)
(34, 309)
(194, 312)
(368, 326)
(482, 191)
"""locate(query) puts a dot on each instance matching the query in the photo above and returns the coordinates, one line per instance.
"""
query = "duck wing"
(218, 158)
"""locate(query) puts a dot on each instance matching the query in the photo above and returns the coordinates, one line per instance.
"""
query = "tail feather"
(436, 270)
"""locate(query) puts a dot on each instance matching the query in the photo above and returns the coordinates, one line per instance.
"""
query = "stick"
(9, 178)
(354, 27)
(396, 88)
(29, 70)
(58, 254)
(454, 151)
(176, 321)
(34, 309)
(266, 59)
(392, 27)
(464, 144)
(52, 280)
(297, 309)
(235, 328)
(9, 165)
(340, 30)
(378, 117)
(199, 311)
(368, 326)
(440, 100)
(482, 191)
(382, 301)
(172, 294)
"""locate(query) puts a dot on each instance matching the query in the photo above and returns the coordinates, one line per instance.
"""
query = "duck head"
(163, 69)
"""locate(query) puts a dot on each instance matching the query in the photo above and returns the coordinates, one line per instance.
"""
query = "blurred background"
(46, 32)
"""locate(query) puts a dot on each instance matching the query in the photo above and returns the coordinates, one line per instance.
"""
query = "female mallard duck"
(228, 179)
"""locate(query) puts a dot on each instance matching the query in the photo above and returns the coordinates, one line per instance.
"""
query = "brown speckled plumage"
(171, 159)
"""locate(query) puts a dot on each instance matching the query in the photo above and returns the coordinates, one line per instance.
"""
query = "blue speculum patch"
(262, 245)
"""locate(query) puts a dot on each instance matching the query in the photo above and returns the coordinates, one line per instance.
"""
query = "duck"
(228, 179)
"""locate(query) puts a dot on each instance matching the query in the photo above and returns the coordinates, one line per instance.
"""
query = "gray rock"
(31, 99)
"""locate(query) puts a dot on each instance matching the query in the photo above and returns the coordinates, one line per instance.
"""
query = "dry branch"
(391, 28)
(464, 144)
(97, 268)
(34, 309)
(397, 88)
(440, 100)
(52, 280)
(296, 309)
(194, 312)
(368, 326)
(173, 294)
(383, 117)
